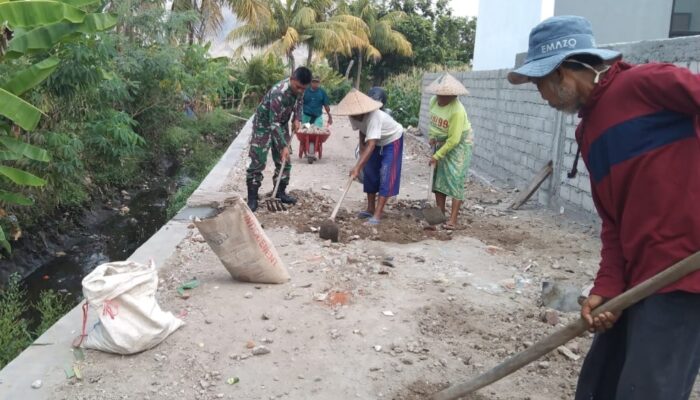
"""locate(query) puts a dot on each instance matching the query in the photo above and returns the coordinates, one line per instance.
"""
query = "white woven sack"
(123, 296)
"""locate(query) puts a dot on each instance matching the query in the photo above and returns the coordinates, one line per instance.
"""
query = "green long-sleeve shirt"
(448, 124)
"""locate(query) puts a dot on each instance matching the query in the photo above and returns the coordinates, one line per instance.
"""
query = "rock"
(407, 361)
(37, 384)
(550, 316)
(568, 353)
(377, 348)
(260, 350)
(560, 296)
(267, 340)
(325, 187)
(204, 384)
(250, 344)
(388, 313)
(493, 249)
(248, 295)
(334, 334)
(271, 328)
(265, 317)
(543, 365)
(574, 347)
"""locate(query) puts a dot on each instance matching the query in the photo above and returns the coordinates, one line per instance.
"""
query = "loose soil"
(390, 312)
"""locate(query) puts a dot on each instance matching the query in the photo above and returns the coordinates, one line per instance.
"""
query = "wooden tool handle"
(342, 197)
(279, 178)
(574, 329)
(430, 178)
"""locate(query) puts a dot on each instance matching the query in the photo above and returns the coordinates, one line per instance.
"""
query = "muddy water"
(113, 237)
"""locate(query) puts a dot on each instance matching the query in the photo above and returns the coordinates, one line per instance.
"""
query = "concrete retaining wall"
(47, 357)
(516, 133)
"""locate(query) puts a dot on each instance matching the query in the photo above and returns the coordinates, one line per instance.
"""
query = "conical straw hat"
(447, 85)
(356, 103)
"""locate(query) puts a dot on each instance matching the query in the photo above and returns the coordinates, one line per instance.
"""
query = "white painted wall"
(502, 30)
(622, 20)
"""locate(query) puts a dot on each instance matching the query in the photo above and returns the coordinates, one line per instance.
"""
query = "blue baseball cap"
(553, 41)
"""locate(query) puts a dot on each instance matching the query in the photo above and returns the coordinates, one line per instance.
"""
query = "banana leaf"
(31, 13)
(21, 82)
(19, 111)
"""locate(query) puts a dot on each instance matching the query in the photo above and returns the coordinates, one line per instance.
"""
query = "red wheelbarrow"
(311, 142)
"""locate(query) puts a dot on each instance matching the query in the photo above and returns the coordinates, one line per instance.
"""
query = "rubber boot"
(253, 196)
(283, 196)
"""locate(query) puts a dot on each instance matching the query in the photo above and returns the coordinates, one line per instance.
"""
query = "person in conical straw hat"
(381, 151)
(450, 136)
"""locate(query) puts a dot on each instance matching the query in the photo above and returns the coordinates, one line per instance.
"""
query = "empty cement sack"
(123, 295)
(239, 241)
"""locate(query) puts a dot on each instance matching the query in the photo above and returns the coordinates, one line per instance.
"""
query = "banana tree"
(32, 27)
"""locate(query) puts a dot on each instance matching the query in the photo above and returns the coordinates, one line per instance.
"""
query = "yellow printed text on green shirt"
(448, 124)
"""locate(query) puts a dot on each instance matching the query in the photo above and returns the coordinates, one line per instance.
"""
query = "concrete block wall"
(516, 133)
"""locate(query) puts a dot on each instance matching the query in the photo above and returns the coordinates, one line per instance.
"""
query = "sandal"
(364, 215)
(372, 221)
(448, 226)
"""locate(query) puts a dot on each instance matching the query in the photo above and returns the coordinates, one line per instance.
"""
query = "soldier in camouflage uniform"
(271, 131)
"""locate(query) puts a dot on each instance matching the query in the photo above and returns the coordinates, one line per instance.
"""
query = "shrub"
(177, 138)
(14, 331)
(404, 96)
(219, 124)
(51, 307)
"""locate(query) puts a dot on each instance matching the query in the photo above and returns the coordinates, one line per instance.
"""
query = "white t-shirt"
(378, 125)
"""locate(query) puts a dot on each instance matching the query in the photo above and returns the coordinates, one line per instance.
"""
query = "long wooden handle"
(430, 179)
(574, 329)
(342, 197)
(279, 179)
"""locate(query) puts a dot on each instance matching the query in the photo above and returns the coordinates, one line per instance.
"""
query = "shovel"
(433, 215)
(329, 229)
(574, 329)
(274, 204)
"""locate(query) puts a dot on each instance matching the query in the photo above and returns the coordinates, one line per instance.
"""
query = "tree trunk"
(311, 54)
(245, 93)
(290, 57)
(359, 69)
(337, 62)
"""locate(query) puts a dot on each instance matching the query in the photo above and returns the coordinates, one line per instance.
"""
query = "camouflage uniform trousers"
(260, 143)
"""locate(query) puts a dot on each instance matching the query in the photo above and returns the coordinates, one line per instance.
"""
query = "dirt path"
(389, 313)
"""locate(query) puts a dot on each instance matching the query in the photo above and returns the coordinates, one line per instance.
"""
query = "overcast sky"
(465, 8)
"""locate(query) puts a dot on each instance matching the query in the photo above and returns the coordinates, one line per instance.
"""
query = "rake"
(274, 204)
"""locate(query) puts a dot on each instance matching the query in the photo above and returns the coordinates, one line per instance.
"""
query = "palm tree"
(292, 23)
(210, 17)
(383, 38)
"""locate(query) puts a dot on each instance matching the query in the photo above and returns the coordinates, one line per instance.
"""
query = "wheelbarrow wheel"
(311, 154)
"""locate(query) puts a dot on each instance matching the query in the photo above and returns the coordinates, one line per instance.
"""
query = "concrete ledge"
(47, 357)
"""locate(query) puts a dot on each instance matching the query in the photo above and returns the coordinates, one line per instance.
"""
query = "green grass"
(15, 334)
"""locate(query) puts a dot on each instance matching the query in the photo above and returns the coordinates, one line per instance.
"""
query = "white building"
(503, 26)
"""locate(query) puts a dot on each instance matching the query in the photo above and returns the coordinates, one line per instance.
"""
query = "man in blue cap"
(640, 139)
